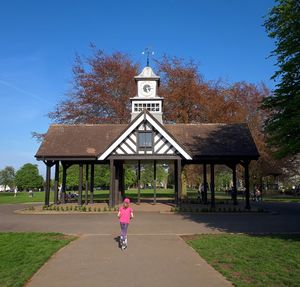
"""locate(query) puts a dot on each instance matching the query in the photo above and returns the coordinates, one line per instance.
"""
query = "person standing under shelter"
(257, 194)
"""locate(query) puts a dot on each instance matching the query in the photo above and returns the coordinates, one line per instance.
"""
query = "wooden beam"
(63, 185)
(175, 181)
(122, 180)
(139, 182)
(212, 186)
(117, 186)
(144, 157)
(154, 184)
(205, 184)
(80, 184)
(112, 184)
(86, 183)
(56, 182)
(92, 183)
(48, 178)
(247, 186)
(178, 175)
(234, 195)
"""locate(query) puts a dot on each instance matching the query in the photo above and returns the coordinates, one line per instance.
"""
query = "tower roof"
(148, 74)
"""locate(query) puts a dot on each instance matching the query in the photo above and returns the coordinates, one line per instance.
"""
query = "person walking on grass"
(125, 214)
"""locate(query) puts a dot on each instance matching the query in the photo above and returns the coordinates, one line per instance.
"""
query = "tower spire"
(148, 52)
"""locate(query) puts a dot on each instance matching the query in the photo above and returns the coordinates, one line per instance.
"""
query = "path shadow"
(117, 240)
(281, 218)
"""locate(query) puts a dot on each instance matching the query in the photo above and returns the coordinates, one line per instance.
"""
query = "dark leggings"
(124, 227)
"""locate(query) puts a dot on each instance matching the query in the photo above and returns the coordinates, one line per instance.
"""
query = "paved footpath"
(149, 260)
(156, 256)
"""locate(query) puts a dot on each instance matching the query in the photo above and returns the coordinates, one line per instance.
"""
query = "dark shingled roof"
(199, 140)
(215, 140)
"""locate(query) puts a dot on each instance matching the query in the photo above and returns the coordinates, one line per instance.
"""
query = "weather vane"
(148, 52)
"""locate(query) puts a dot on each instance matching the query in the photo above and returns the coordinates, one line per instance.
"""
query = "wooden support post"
(175, 182)
(112, 184)
(86, 183)
(80, 184)
(247, 186)
(212, 185)
(121, 181)
(56, 182)
(48, 178)
(139, 182)
(63, 185)
(92, 183)
(178, 172)
(234, 187)
(117, 186)
(205, 184)
(154, 184)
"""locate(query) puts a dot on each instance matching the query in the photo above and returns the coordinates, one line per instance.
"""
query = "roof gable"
(127, 142)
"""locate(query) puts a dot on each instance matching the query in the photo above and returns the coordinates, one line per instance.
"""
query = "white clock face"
(147, 89)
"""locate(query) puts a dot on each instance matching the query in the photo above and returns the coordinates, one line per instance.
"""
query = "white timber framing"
(127, 143)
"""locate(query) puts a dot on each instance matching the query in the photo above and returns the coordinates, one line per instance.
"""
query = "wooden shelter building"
(145, 138)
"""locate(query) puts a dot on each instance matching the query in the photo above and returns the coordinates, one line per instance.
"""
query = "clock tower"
(146, 98)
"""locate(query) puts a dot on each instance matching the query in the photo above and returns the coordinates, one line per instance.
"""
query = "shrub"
(62, 208)
(67, 208)
(90, 209)
(76, 208)
(104, 209)
(99, 209)
(95, 209)
(71, 207)
(83, 208)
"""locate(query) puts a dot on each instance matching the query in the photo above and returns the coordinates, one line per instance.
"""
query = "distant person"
(200, 192)
(30, 193)
(15, 192)
(257, 194)
(59, 191)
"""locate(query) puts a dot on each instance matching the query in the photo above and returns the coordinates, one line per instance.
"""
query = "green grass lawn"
(22, 254)
(23, 197)
(253, 260)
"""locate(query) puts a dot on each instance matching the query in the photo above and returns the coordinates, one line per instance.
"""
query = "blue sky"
(39, 39)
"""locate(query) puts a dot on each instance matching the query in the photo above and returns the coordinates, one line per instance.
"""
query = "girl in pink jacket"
(125, 214)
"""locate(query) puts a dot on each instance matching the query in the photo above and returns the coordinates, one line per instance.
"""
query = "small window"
(145, 139)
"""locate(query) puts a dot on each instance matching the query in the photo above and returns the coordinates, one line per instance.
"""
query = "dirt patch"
(63, 237)
(189, 237)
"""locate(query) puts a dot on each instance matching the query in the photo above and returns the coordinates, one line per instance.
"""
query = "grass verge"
(22, 254)
(246, 260)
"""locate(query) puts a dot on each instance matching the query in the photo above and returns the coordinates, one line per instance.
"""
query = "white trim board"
(139, 119)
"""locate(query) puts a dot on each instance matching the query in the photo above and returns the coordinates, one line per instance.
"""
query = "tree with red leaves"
(102, 87)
